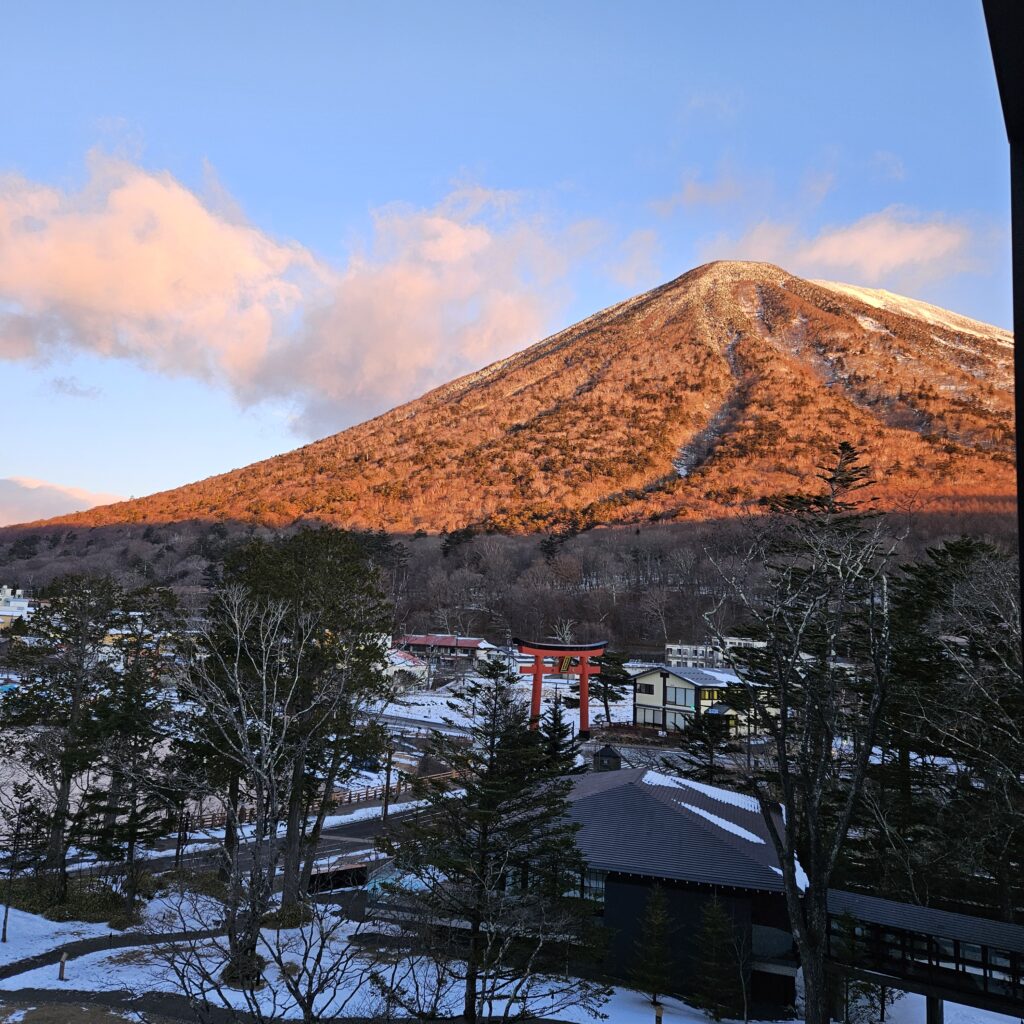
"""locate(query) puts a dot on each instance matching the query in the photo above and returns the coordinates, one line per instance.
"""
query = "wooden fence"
(339, 798)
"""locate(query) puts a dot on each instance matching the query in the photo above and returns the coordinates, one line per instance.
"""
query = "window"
(681, 696)
(710, 694)
(649, 716)
(593, 885)
(647, 688)
(676, 720)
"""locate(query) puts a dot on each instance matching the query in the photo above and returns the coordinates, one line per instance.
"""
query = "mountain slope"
(722, 386)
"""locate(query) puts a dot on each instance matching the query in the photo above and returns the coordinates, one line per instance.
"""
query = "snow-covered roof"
(405, 659)
(693, 676)
(445, 640)
(642, 822)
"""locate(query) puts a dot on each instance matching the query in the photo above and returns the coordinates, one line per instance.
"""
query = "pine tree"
(557, 740)
(652, 968)
(500, 860)
(717, 978)
(133, 722)
(612, 682)
(704, 740)
(23, 834)
(50, 721)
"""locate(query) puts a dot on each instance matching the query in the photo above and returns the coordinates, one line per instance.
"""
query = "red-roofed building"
(447, 651)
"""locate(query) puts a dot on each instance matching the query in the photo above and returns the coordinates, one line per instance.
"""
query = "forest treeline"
(639, 587)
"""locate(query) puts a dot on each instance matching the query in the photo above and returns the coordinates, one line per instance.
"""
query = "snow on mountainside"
(688, 402)
(881, 299)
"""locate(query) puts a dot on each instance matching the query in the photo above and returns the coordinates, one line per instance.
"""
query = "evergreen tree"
(23, 835)
(718, 978)
(652, 965)
(557, 740)
(705, 741)
(957, 695)
(612, 682)
(50, 722)
(133, 721)
(492, 870)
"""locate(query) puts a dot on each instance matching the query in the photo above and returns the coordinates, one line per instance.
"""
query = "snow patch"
(726, 825)
(724, 796)
(801, 876)
(904, 306)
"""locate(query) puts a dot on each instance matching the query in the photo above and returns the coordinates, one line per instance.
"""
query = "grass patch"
(202, 883)
(86, 900)
(288, 917)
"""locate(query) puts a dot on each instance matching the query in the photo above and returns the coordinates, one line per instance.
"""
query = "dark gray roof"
(640, 822)
(941, 923)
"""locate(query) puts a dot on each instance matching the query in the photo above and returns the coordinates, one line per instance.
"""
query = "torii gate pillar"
(566, 659)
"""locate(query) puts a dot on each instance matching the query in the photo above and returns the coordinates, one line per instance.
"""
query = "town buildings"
(668, 699)
(13, 606)
(446, 654)
(711, 652)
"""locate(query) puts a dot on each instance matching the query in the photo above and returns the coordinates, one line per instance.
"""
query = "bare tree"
(245, 683)
(314, 971)
(816, 689)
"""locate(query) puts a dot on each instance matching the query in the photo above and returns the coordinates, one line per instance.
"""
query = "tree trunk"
(817, 1008)
(55, 864)
(293, 837)
(313, 837)
(230, 829)
(113, 801)
(469, 997)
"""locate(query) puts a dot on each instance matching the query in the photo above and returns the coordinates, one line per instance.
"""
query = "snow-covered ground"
(30, 934)
(135, 970)
(434, 706)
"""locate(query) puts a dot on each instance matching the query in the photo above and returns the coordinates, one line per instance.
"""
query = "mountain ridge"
(689, 401)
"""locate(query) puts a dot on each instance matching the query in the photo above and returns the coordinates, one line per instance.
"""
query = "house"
(447, 653)
(13, 605)
(667, 698)
(711, 652)
(405, 668)
(640, 828)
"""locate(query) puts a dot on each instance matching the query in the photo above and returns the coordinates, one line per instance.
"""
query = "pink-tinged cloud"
(133, 265)
(894, 247)
(23, 500)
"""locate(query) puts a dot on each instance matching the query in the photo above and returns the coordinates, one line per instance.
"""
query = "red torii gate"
(567, 659)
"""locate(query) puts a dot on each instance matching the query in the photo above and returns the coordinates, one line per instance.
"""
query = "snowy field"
(31, 934)
(128, 970)
(433, 706)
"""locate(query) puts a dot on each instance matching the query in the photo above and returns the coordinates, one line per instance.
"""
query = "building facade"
(14, 605)
(667, 698)
(710, 652)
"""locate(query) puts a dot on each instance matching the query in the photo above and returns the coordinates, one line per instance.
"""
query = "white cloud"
(23, 500)
(134, 265)
(895, 247)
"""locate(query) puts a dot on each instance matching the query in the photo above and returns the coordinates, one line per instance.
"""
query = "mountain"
(686, 402)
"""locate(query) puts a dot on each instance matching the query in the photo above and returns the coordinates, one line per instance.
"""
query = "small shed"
(607, 759)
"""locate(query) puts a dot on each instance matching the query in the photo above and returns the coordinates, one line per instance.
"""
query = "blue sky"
(227, 229)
